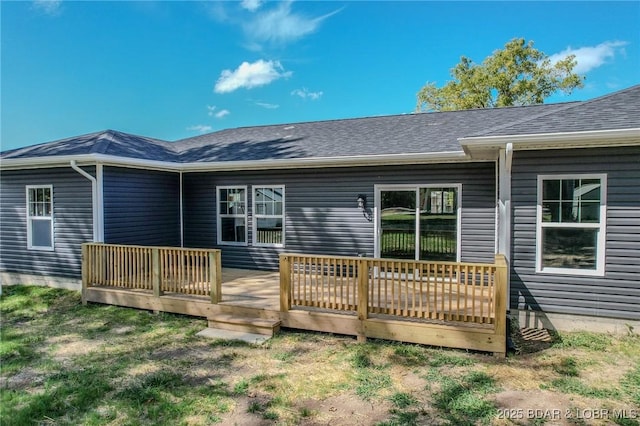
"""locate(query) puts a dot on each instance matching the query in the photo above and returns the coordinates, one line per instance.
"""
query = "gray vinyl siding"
(141, 207)
(72, 221)
(321, 213)
(617, 294)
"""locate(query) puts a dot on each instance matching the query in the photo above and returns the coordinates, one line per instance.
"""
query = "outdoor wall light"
(362, 202)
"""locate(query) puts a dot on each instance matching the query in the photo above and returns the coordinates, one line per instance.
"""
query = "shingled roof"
(616, 111)
(398, 134)
(107, 142)
(422, 133)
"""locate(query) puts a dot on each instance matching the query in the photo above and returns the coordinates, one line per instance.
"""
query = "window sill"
(230, 243)
(41, 248)
(571, 272)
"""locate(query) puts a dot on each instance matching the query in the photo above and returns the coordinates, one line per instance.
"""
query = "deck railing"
(436, 243)
(448, 291)
(322, 281)
(159, 269)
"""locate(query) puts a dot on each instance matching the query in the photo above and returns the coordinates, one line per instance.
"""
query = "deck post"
(500, 305)
(155, 272)
(363, 296)
(215, 276)
(285, 283)
(85, 272)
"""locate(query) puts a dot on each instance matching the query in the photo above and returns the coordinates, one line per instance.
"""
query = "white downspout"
(96, 198)
(504, 201)
(504, 207)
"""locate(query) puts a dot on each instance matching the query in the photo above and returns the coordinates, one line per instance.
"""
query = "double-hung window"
(40, 217)
(232, 215)
(571, 220)
(268, 215)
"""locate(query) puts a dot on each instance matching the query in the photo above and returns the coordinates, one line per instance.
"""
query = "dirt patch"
(123, 330)
(25, 379)
(344, 410)
(68, 346)
(239, 415)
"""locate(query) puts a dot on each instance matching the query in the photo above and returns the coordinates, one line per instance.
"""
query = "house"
(555, 188)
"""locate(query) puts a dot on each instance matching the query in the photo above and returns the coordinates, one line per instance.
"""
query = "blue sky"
(172, 70)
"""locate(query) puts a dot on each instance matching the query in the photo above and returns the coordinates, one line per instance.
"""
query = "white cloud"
(222, 113)
(200, 128)
(281, 25)
(591, 57)
(249, 76)
(48, 7)
(267, 106)
(251, 5)
(304, 93)
(211, 112)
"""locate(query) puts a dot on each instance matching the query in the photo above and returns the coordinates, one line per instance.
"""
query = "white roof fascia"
(317, 162)
(292, 163)
(584, 139)
(85, 159)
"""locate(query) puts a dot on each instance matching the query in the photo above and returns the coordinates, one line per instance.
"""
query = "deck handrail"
(190, 271)
(455, 292)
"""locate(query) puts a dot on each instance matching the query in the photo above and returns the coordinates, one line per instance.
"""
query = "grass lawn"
(63, 363)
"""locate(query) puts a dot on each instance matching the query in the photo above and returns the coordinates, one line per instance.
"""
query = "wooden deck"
(251, 289)
(246, 292)
(440, 304)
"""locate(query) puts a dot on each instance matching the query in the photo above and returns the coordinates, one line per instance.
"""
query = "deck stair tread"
(242, 323)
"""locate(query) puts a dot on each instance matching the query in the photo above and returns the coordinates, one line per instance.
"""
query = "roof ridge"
(374, 117)
(608, 95)
(548, 110)
(108, 134)
(562, 106)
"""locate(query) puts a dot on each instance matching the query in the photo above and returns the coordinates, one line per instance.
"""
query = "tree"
(519, 74)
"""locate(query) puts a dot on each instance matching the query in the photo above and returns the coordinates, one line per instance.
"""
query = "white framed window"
(232, 215)
(571, 224)
(268, 215)
(40, 217)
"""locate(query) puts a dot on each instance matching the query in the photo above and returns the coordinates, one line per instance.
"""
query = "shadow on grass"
(94, 384)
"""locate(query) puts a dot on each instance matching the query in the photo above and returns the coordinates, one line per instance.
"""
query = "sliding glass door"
(418, 222)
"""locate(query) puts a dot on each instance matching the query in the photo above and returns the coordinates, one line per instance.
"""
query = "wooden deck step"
(245, 324)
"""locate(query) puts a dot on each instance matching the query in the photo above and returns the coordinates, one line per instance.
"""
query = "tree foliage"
(519, 74)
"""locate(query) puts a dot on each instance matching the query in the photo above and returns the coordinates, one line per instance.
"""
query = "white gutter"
(298, 163)
(96, 197)
(289, 163)
(86, 160)
(585, 139)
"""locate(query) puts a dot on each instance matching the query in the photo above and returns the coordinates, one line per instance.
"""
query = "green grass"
(410, 355)
(370, 383)
(463, 400)
(573, 385)
(582, 340)
(631, 384)
(567, 367)
(402, 400)
(449, 358)
(65, 363)
(94, 387)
